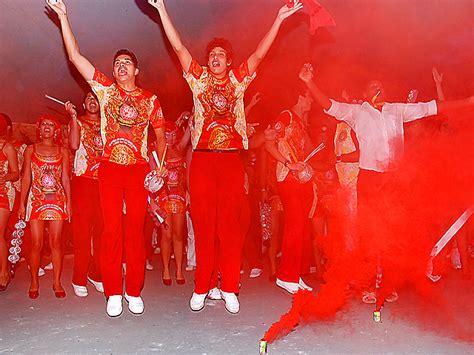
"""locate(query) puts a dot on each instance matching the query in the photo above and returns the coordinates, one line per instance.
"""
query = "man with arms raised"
(126, 111)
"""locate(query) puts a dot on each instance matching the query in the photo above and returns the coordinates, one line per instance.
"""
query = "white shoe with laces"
(291, 287)
(304, 286)
(135, 304)
(231, 302)
(214, 294)
(49, 266)
(197, 302)
(99, 286)
(114, 306)
(80, 291)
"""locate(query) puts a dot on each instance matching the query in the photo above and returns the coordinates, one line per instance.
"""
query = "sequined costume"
(172, 197)
(46, 199)
(7, 191)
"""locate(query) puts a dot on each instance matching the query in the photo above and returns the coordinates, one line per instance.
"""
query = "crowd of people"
(229, 186)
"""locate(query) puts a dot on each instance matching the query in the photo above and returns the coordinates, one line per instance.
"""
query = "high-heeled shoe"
(33, 294)
(167, 282)
(180, 281)
(59, 293)
(4, 287)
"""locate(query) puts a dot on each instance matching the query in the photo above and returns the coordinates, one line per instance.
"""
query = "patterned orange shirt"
(125, 116)
(219, 115)
(291, 134)
(88, 155)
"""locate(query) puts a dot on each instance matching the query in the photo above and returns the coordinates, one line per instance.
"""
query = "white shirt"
(380, 133)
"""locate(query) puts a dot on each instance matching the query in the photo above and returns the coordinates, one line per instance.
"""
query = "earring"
(55, 135)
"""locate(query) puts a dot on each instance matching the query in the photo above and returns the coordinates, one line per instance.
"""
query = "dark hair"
(132, 55)
(220, 42)
(7, 119)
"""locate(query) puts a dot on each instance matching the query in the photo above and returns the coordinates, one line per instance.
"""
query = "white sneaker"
(148, 266)
(98, 285)
(135, 304)
(291, 287)
(303, 285)
(49, 266)
(197, 301)
(80, 291)
(231, 302)
(214, 294)
(114, 306)
(41, 272)
(255, 272)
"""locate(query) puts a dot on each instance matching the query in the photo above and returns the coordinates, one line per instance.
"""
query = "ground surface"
(74, 325)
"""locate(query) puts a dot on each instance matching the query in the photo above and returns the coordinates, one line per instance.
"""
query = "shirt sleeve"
(343, 112)
(411, 112)
(242, 74)
(194, 72)
(156, 119)
(99, 84)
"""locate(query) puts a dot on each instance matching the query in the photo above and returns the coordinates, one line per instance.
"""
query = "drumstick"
(54, 99)
(312, 154)
(157, 161)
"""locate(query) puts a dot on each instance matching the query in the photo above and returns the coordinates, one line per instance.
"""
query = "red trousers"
(118, 183)
(217, 197)
(297, 200)
(86, 226)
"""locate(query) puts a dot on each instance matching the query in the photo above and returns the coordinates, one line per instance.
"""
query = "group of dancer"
(123, 133)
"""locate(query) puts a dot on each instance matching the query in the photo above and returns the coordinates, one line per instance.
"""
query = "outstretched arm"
(306, 75)
(81, 63)
(444, 106)
(438, 79)
(256, 57)
(173, 36)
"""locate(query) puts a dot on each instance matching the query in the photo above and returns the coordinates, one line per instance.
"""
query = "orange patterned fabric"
(125, 116)
(172, 197)
(7, 191)
(46, 200)
(291, 140)
(88, 155)
(219, 115)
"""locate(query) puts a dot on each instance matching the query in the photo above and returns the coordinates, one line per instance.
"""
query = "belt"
(217, 150)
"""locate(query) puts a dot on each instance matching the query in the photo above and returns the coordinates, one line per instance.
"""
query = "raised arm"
(74, 128)
(172, 34)
(438, 79)
(306, 75)
(81, 63)
(256, 57)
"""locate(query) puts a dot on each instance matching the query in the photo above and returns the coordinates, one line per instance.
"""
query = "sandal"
(369, 297)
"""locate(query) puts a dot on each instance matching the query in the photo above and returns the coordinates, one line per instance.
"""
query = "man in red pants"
(85, 140)
(217, 176)
(126, 111)
(290, 149)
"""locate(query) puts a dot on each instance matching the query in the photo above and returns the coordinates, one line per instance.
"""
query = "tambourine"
(304, 175)
(16, 241)
(153, 182)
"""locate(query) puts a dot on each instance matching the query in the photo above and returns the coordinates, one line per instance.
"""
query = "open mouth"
(215, 63)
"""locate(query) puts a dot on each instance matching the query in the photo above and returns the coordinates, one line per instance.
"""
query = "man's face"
(218, 61)
(305, 101)
(372, 88)
(124, 69)
(91, 104)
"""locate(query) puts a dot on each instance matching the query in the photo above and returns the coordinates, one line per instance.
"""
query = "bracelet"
(286, 163)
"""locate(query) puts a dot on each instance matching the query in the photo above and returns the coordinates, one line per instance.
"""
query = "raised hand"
(158, 4)
(437, 77)
(306, 73)
(58, 6)
(286, 11)
(71, 109)
(255, 99)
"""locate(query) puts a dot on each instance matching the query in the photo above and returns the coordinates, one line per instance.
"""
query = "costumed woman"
(172, 200)
(8, 174)
(46, 184)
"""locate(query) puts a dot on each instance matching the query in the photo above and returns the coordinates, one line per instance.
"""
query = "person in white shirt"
(379, 129)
